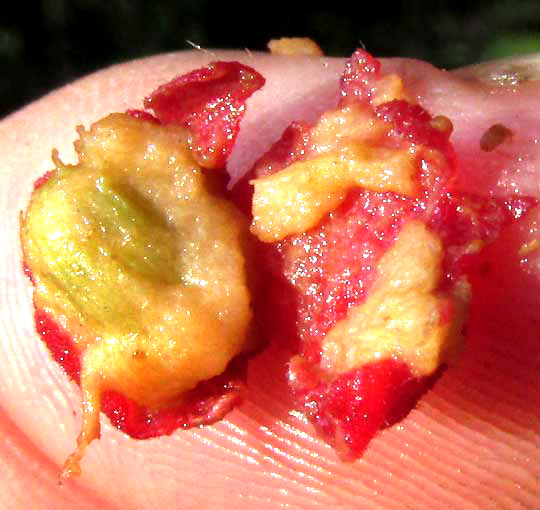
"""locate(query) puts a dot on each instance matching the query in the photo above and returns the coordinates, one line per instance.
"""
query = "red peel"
(206, 404)
(360, 78)
(210, 102)
(352, 408)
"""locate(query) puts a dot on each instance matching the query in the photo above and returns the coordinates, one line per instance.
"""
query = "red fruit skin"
(411, 122)
(334, 264)
(143, 115)
(341, 264)
(59, 343)
(40, 181)
(205, 404)
(349, 410)
(462, 218)
(360, 78)
(210, 102)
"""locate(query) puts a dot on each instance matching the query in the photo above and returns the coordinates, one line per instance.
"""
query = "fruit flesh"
(134, 255)
(363, 335)
(140, 265)
(403, 304)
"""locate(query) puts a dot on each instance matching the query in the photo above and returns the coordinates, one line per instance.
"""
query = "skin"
(473, 442)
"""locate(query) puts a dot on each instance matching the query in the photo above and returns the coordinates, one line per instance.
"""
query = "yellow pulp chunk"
(389, 88)
(295, 46)
(401, 317)
(136, 257)
(296, 198)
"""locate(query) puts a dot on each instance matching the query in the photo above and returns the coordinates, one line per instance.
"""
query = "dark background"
(46, 43)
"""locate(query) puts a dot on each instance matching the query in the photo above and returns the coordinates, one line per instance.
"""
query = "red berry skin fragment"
(207, 403)
(59, 343)
(343, 252)
(292, 146)
(210, 102)
(463, 218)
(360, 78)
(143, 115)
(352, 408)
(412, 122)
(42, 180)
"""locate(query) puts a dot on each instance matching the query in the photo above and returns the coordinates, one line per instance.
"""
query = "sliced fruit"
(140, 264)
(369, 254)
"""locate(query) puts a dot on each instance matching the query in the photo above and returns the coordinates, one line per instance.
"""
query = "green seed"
(100, 243)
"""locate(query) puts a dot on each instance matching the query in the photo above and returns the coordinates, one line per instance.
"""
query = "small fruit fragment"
(351, 408)
(369, 260)
(363, 83)
(210, 102)
(494, 136)
(294, 46)
(137, 257)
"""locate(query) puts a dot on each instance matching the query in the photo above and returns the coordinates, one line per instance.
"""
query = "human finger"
(468, 437)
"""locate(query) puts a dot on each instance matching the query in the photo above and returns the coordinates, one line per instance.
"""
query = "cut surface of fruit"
(141, 265)
(369, 241)
(136, 256)
(485, 408)
(405, 304)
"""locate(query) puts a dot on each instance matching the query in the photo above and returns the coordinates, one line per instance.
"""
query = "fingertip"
(263, 454)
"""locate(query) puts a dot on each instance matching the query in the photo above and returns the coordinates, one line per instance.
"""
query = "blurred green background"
(46, 43)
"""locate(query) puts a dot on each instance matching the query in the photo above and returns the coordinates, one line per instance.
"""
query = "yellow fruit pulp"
(402, 316)
(347, 154)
